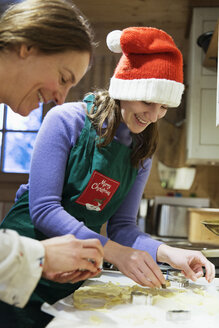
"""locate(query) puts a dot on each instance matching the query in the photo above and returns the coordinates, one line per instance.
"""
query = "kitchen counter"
(203, 309)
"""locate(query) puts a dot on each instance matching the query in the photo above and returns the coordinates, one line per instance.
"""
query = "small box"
(198, 233)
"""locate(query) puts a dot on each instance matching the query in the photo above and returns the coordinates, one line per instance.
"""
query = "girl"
(92, 159)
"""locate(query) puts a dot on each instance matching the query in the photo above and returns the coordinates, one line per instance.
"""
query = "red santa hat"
(150, 69)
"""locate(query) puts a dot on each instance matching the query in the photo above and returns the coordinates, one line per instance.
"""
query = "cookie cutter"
(178, 315)
(139, 298)
(178, 277)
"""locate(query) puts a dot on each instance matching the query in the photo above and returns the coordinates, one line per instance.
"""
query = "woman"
(99, 158)
(45, 49)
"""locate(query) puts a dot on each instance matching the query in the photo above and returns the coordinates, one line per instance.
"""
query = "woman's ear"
(25, 51)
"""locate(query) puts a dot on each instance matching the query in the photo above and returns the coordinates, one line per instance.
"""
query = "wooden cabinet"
(202, 133)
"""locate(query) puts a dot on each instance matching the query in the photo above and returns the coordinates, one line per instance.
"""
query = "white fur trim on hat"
(113, 41)
(161, 91)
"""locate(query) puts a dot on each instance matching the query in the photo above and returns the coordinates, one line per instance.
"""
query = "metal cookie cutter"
(92, 261)
(178, 315)
(177, 277)
(140, 298)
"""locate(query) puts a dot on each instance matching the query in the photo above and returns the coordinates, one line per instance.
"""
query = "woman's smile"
(41, 100)
(44, 78)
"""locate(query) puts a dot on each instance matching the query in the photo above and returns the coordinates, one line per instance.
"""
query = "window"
(17, 136)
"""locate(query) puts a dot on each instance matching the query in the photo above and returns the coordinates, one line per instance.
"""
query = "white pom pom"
(113, 41)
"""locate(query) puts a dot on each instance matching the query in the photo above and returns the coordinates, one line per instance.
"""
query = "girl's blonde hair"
(106, 109)
(52, 26)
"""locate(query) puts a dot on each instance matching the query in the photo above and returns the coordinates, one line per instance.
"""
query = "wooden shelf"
(212, 52)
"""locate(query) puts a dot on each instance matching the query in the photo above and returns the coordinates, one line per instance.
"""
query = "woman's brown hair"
(52, 26)
(106, 109)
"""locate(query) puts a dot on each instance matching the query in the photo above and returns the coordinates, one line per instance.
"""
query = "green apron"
(96, 182)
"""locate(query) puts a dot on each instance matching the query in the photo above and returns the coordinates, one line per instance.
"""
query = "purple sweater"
(58, 134)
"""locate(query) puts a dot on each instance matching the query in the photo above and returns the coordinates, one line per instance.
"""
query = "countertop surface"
(203, 309)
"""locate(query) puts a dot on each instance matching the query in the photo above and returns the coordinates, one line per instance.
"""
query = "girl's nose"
(153, 113)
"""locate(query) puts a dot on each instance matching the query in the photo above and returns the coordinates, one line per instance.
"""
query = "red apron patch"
(98, 192)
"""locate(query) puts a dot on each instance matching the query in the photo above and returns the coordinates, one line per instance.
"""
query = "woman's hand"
(71, 277)
(135, 264)
(71, 259)
(190, 262)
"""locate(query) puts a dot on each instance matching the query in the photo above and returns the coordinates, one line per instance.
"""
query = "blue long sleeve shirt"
(58, 134)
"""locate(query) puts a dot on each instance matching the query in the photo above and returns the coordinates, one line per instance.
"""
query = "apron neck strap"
(89, 100)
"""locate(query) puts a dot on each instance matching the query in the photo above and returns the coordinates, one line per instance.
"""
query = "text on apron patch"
(98, 192)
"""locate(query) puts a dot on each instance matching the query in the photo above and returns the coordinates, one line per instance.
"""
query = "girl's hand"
(190, 262)
(135, 264)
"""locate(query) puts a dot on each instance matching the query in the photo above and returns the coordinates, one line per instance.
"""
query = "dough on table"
(108, 294)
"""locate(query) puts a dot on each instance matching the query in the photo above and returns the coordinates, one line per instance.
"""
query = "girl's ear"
(25, 51)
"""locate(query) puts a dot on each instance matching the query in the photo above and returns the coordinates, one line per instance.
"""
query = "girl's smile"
(137, 115)
(140, 121)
